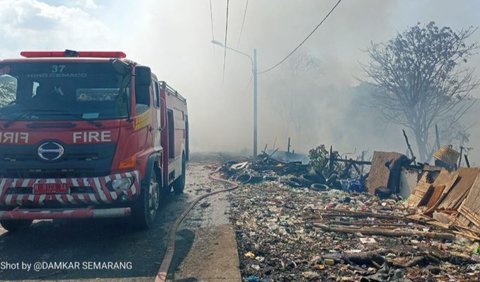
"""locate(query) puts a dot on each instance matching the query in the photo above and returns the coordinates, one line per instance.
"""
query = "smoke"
(314, 97)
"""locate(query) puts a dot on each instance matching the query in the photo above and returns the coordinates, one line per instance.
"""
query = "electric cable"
(211, 19)
(301, 43)
(243, 22)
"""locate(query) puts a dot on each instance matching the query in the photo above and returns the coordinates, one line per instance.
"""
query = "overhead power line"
(225, 44)
(243, 22)
(211, 19)
(301, 43)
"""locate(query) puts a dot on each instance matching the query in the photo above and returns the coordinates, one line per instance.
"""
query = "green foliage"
(319, 160)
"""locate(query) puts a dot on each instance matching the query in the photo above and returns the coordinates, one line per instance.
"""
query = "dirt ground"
(213, 256)
(90, 242)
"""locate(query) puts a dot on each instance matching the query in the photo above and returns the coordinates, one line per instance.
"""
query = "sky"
(311, 103)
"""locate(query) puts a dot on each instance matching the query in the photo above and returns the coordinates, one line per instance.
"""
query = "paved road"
(85, 245)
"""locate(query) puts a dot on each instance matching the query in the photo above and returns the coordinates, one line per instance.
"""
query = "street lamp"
(254, 72)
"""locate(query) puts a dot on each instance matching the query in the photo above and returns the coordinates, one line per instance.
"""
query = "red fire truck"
(87, 135)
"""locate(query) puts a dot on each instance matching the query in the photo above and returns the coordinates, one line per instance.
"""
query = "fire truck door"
(158, 118)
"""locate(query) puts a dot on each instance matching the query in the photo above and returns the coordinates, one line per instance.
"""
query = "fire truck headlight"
(122, 184)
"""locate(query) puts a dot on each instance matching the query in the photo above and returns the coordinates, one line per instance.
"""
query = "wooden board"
(470, 208)
(457, 193)
(419, 192)
(437, 193)
(447, 179)
(379, 173)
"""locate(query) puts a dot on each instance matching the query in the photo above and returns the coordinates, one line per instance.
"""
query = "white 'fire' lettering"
(13, 137)
(92, 137)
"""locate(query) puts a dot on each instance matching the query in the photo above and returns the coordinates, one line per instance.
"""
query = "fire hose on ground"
(167, 259)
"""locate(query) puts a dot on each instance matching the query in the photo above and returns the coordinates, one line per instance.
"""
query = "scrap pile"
(291, 169)
(292, 234)
(335, 231)
(450, 199)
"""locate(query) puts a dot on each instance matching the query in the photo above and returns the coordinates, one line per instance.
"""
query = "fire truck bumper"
(19, 213)
(69, 192)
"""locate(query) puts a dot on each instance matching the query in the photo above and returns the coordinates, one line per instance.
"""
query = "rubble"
(283, 226)
(294, 224)
(278, 166)
(450, 199)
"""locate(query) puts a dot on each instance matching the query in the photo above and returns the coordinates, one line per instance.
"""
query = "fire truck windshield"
(62, 91)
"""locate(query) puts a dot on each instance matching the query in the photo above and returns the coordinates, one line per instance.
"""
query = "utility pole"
(254, 70)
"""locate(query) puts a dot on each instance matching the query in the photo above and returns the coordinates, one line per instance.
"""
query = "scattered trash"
(288, 233)
(329, 261)
(320, 222)
(368, 240)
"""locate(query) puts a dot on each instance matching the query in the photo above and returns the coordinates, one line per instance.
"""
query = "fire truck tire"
(16, 224)
(144, 209)
(179, 184)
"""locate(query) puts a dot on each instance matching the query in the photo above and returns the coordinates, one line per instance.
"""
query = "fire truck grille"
(88, 160)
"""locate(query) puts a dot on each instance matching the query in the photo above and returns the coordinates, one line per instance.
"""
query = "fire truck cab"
(87, 135)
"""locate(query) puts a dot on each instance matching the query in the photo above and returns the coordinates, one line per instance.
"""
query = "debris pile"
(354, 226)
(292, 234)
(450, 199)
(323, 172)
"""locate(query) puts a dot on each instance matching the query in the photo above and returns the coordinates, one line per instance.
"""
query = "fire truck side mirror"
(143, 76)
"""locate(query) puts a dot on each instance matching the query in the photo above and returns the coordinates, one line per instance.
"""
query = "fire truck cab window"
(80, 91)
(143, 83)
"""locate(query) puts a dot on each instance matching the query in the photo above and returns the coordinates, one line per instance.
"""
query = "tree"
(420, 79)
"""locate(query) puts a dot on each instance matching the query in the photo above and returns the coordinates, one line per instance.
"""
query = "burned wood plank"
(387, 232)
(444, 178)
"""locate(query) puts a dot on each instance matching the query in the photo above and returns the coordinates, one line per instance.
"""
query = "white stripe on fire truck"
(59, 198)
(92, 184)
(100, 190)
(2, 185)
(70, 199)
(113, 195)
(8, 200)
(92, 198)
(41, 200)
(82, 198)
(25, 182)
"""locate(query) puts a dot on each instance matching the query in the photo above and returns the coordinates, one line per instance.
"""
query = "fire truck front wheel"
(14, 225)
(144, 209)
